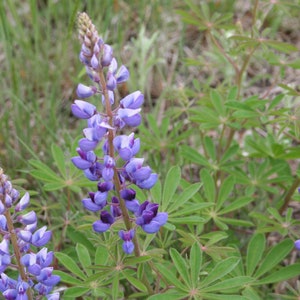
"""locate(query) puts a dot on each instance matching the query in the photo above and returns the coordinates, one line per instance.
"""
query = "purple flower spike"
(297, 244)
(41, 237)
(127, 237)
(84, 91)
(106, 220)
(82, 109)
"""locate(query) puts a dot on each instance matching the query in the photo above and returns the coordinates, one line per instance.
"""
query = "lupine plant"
(220, 219)
(118, 168)
(22, 249)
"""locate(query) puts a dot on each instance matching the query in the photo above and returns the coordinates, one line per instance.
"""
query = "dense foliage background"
(220, 127)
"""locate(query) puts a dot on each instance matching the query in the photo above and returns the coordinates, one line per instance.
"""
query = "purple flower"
(141, 176)
(96, 201)
(127, 146)
(28, 218)
(4, 255)
(127, 237)
(115, 207)
(133, 100)
(85, 159)
(84, 91)
(82, 109)
(148, 217)
(106, 220)
(41, 237)
(23, 203)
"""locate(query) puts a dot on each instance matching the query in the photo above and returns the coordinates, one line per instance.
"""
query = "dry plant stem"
(289, 195)
(14, 242)
(117, 182)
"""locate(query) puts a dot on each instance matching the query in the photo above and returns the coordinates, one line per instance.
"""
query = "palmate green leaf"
(171, 294)
(240, 202)
(208, 185)
(195, 264)
(251, 294)
(169, 275)
(281, 46)
(194, 156)
(274, 256)
(74, 292)
(217, 102)
(224, 297)
(54, 186)
(137, 283)
(84, 258)
(59, 159)
(78, 237)
(255, 251)
(70, 264)
(42, 171)
(67, 278)
(210, 147)
(115, 286)
(191, 209)
(171, 183)
(236, 222)
(187, 220)
(229, 153)
(225, 190)
(130, 261)
(181, 266)
(232, 283)
(184, 196)
(283, 274)
(221, 269)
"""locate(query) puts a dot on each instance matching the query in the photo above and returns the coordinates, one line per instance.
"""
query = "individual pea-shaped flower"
(6, 283)
(115, 209)
(141, 176)
(133, 100)
(84, 91)
(18, 292)
(85, 159)
(127, 146)
(23, 203)
(4, 255)
(127, 116)
(41, 237)
(108, 170)
(47, 278)
(82, 109)
(29, 261)
(131, 203)
(149, 219)
(27, 219)
(99, 198)
(297, 244)
(127, 237)
(3, 223)
(114, 77)
(106, 220)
